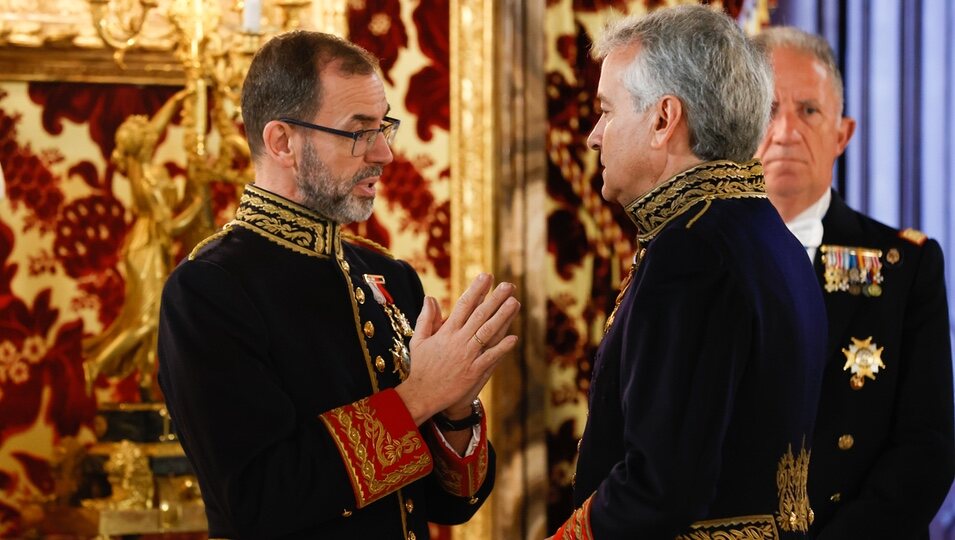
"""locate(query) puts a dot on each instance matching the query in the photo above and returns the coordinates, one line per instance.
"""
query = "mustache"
(374, 170)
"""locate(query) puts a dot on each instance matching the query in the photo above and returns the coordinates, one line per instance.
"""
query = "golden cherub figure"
(129, 343)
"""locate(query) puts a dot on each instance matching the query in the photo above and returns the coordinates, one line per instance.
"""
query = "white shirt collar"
(807, 226)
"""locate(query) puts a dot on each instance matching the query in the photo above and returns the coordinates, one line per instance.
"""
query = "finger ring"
(481, 341)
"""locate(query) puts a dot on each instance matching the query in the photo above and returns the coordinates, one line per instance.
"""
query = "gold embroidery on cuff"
(795, 514)
(379, 473)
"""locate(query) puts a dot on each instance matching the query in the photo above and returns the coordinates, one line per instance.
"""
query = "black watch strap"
(446, 424)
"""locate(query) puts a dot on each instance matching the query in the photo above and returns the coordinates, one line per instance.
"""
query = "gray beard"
(332, 196)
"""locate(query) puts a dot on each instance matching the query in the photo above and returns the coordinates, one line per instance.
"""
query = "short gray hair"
(788, 37)
(703, 58)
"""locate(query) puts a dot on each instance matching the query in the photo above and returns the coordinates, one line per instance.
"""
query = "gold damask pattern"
(705, 182)
(795, 515)
(286, 223)
(759, 527)
(370, 474)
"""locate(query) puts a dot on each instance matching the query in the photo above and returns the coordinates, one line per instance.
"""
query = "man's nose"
(783, 127)
(596, 136)
(380, 152)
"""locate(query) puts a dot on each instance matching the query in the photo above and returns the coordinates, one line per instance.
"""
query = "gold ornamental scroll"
(473, 176)
(498, 176)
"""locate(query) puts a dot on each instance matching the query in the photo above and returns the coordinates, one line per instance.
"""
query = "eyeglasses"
(363, 138)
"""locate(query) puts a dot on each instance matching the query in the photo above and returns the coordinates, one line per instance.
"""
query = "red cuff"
(577, 527)
(380, 445)
(461, 476)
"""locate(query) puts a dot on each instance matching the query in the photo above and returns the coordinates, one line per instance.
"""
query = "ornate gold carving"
(705, 182)
(760, 527)
(129, 477)
(474, 165)
(794, 515)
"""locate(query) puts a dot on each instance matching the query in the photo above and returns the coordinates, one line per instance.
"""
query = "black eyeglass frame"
(355, 136)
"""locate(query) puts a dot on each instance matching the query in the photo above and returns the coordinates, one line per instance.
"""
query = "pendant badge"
(863, 360)
(400, 355)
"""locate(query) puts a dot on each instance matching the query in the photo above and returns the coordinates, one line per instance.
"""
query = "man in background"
(705, 384)
(304, 399)
(883, 456)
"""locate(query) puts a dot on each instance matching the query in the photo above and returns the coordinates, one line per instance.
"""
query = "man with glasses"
(307, 403)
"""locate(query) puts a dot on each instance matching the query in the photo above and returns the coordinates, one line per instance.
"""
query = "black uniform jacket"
(704, 389)
(884, 453)
(277, 359)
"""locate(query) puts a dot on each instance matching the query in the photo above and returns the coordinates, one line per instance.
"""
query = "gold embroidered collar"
(705, 182)
(286, 223)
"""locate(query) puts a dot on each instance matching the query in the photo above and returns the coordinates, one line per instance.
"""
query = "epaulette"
(211, 238)
(915, 236)
(371, 244)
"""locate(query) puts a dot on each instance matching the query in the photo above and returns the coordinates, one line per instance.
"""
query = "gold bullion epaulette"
(915, 236)
(370, 244)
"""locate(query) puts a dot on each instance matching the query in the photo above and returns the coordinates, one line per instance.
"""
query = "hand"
(449, 364)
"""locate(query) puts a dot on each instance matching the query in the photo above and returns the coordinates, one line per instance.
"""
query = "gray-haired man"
(704, 387)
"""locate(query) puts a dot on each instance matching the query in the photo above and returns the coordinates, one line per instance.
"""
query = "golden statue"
(161, 214)
(130, 480)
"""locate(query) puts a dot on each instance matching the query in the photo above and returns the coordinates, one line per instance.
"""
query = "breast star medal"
(863, 360)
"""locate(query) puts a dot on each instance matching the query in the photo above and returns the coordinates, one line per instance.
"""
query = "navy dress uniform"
(884, 448)
(280, 345)
(704, 387)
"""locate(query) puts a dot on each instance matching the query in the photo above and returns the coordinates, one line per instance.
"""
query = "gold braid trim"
(375, 246)
(705, 182)
(209, 239)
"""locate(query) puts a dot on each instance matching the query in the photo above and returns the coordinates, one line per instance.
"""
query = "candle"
(252, 16)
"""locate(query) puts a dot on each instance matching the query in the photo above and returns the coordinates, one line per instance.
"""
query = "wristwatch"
(446, 424)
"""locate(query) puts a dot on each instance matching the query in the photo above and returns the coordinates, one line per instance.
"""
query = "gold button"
(846, 442)
(856, 382)
(369, 329)
(359, 295)
(380, 364)
(836, 497)
(346, 513)
(892, 257)
(473, 500)
(345, 266)
(409, 506)
(411, 535)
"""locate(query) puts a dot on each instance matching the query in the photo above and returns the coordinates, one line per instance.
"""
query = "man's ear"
(847, 126)
(277, 139)
(667, 118)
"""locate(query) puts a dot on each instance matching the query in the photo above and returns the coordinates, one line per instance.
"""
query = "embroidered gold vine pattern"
(713, 180)
(369, 472)
(791, 478)
(737, 528)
